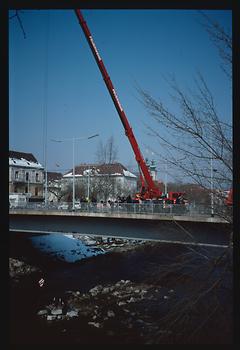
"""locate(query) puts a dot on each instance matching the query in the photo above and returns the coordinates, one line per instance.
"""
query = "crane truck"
(149, 189)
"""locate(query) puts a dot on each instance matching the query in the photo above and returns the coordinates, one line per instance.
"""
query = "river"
(173, 272)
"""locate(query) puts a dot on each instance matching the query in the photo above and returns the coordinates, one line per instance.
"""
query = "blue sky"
(63, 85)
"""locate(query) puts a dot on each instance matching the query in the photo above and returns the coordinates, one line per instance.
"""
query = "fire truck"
(149, 189)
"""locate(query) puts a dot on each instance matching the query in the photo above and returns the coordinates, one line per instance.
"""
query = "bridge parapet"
(133, 210)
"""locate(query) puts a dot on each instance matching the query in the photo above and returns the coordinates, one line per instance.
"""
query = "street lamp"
(165, 182)
(73, 139)
(211, 179)
(88, 184)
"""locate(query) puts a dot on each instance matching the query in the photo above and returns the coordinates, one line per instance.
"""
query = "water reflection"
(64, 247)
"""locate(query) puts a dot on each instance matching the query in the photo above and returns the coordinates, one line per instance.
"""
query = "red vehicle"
(176, 197)
(229, 199)
(148, 188)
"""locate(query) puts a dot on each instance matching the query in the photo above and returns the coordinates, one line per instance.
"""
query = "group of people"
(129, 199)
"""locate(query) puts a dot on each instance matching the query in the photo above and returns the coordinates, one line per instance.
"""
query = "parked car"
(63, 206)
(77, 205)
(17, 200)
(68, 206)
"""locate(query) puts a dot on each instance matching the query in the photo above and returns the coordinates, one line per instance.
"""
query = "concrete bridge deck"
(203, 230)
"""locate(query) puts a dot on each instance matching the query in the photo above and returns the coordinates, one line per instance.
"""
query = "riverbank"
(136, 293)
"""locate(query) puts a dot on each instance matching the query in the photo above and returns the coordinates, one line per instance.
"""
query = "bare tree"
(196, 137)
(60, 192)
(80, 190)
(197, 143)
(105, 186)
(202, 276)
(107, 153)
(102, 187)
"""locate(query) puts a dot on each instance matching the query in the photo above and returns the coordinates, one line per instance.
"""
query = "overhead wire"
(45, 101)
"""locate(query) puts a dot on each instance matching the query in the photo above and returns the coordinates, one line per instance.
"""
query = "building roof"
(115, 169)
(23, 159)
(52, 176)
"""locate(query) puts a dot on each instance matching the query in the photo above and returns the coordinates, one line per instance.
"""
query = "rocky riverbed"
(18, 269)
(112, 307)
(138, 292)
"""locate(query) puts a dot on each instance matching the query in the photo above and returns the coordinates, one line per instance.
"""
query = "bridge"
(170, 227)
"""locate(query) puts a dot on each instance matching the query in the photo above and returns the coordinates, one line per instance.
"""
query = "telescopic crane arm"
(151, 190)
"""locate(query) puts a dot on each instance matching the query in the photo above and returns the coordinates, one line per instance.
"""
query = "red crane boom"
(151, 190)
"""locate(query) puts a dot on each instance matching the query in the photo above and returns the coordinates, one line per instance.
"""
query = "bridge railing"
(133, 208)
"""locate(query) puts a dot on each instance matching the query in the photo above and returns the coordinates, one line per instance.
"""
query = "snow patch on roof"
(128, 174)
(71, 175)
(100, 169)
(24, 163)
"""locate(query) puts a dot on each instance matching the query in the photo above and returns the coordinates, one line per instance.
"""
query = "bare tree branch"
(222, 40)
(194, 136)
(19, 21)
(108, 153)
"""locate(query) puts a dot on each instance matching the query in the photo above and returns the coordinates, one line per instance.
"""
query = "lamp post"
(74, 139)
(165, 182)
(28, 186)
(211, 173)
(46, 187)
(88, 184)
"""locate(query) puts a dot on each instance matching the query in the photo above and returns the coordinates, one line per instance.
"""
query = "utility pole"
(73, 139)
(165, 182)
(73, 173)
(88, 185)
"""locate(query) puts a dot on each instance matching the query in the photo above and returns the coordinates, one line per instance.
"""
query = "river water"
(69, 264)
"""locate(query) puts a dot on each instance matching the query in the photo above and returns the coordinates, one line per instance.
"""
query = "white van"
(77, 205)
(17, 200)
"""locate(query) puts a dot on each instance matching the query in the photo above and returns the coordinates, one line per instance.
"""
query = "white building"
(102, 181)
(26, 175)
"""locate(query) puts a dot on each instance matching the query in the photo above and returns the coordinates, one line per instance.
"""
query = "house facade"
(26, 175)
(102, 181)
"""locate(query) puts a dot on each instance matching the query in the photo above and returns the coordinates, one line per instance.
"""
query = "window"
(36, 191)
(16, 175)
(27, 176)
(26, 189)
(37, 177)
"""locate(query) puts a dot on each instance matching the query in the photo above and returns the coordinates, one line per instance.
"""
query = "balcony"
(20, 180)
